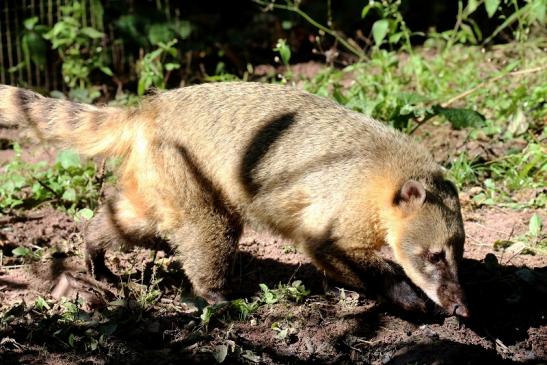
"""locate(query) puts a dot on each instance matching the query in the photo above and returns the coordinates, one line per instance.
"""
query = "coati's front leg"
(363, 268)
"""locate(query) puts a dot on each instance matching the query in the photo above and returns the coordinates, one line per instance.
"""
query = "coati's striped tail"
(91, 130)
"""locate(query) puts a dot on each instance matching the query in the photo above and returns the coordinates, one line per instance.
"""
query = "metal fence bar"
(2, 65)
(8, 43)
(18, 48)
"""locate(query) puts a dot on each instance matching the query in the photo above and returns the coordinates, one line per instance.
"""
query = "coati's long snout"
(452, 299)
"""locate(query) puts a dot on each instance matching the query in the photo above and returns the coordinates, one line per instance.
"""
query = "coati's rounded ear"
(412, 194)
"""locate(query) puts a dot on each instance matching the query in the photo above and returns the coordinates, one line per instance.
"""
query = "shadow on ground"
(508, 306)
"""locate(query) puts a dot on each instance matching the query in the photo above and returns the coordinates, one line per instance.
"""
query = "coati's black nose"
(459, 309)
(453, 299)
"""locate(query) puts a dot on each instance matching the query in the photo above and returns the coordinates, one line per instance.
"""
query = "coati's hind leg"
(206, 243)
(118, 223)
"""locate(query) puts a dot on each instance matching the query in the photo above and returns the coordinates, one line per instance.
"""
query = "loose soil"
(506, 289)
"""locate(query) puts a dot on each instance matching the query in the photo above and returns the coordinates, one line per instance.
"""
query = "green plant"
(154, 68)
(294, 6)
(79, 50)
(27, 253)
(285, 53)
(391, 23)
(41, 305)
(284, 329)
(387, 91)
(68, 184)
(536, 237)
(296, 292)
(504, 177)
(81, 329)
(526, 15)
(532, 242)
(462, 171)
(33, 43)
(245, 307)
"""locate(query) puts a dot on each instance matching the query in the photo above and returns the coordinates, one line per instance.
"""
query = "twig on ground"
(475, 88)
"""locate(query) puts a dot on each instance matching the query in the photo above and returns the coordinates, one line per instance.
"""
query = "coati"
(200, 161)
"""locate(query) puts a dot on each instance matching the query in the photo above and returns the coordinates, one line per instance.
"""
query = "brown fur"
(201, 161)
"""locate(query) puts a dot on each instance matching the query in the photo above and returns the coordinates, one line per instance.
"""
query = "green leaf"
(171, 66)
(106, 70)
(21, 251)
(518, 125)
(41, 304)
(207, 314)
(491, 6)
(379, 30)
(459, 117)
(412, 98)
(394, 38)
(365, 10)
(183, 28)
(538, 10)
(85, 213)
(220, 353)
(35, 48)
(18, 181)
(71, 340)
(472, 5)
(264, 287)
(535, 225)
(284, 51)
(68, 159)
(92, 32)
(30, 22)
(159, 33)
(69, 195)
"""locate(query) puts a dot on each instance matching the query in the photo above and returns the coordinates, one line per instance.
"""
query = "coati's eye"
(435, 257)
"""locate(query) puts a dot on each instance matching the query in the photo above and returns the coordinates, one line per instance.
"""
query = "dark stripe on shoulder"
(260, 145)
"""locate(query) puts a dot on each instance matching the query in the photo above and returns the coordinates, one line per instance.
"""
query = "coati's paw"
(212, 297)
(403, 295)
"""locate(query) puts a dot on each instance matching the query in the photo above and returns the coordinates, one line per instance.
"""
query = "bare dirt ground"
(507, 294)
